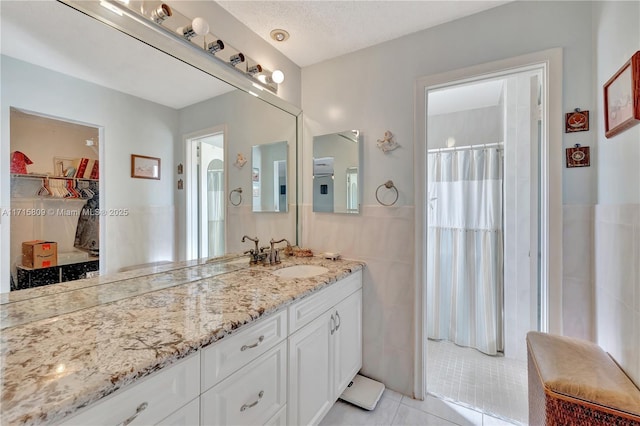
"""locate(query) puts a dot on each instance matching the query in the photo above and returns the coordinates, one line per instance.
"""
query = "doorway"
(206, 186)
(55, 199)
(491, 251)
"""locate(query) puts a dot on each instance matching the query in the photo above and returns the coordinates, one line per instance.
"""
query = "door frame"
(191, 186)
(550, 190)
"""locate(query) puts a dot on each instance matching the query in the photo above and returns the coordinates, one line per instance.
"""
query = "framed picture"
(576, 121)
(255, 175)
(622, 98)
(578, 156)
(144, 167)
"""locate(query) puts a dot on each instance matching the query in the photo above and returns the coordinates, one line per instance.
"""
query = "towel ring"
(389, 185)
(239, 191)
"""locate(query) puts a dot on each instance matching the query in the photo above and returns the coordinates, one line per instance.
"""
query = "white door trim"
(191, 186)
(550, 190)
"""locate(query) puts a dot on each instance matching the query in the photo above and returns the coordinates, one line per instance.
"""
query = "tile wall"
(617, 284)
(383, 237)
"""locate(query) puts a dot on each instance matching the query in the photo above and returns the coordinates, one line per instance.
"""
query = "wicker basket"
(550, 407)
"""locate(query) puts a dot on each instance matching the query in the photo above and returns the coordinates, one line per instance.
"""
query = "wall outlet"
(92, 274)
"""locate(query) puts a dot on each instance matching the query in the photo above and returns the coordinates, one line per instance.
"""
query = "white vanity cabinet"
(286, 369)
(152, 400)
(325, 353)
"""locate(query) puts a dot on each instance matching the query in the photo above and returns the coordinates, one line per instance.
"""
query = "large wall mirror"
(336, 172)
(63, 65)
(269, 177)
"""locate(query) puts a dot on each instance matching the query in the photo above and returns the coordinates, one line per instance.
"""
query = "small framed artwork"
(578, 156)
(576, 121)
(255, 175)
(622, 98)
(143, 167)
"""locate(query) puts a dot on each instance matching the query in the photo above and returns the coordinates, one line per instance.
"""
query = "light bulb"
(197, 27)
(200, 26)
(277, 76)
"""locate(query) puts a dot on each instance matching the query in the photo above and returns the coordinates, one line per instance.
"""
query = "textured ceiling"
(321, 30)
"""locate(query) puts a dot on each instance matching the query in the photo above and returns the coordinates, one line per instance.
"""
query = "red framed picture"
(576, 121)
(622, 98)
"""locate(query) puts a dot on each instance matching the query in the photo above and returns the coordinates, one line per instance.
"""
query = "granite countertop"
(68, 345)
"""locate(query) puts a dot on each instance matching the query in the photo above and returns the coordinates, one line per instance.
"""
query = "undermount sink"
(300, 271)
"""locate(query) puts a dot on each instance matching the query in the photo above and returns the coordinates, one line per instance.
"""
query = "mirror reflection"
(269, 177)
(136, 100)
(336, 172)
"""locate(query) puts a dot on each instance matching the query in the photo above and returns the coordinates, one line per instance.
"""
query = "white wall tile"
(617, 284)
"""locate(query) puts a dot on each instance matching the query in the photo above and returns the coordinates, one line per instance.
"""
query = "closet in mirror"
(136, 99)
(336, 172)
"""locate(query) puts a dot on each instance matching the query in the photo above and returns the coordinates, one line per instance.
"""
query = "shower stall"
(465, 246)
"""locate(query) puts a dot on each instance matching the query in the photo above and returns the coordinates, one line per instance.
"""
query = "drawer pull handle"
(139, 410)
(338, 321)
(245, 347)
(254, 403)
(333, 324)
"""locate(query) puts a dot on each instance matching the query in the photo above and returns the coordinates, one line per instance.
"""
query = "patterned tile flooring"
(466, 387)
(494, 385)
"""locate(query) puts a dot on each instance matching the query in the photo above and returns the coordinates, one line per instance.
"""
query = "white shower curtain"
(215, 212)
(464, 248)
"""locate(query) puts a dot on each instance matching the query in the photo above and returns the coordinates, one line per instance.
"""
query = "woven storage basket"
(550, 407)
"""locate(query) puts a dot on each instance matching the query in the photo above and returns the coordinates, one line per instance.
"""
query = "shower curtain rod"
(466, 147)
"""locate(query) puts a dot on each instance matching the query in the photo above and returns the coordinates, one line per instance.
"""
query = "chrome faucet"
(274, 254)
(257, 255)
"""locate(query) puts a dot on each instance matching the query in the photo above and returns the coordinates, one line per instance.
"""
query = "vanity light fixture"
(236, 59)
(161, 13)
(197, 27)
(215, 46)
(254, 69)
(279, 35)
(277, 76)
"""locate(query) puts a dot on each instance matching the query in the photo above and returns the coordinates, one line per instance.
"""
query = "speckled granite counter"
(68, 345)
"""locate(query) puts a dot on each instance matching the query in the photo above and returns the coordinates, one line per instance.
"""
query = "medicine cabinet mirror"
(269, 187)
(336, 172)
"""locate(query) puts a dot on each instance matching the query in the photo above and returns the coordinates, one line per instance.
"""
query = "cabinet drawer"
(307, 310)
(231, 353)
(164, 392)
(251, 396)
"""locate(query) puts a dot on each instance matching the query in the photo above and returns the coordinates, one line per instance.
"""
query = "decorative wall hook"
(387, 143)
(240, 160)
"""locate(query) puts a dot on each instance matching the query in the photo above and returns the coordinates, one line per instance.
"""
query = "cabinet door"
(310, 371)
(348, 341)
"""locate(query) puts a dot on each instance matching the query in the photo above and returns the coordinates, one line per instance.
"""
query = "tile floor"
(492, 384)
(488, 391)
(394, 409)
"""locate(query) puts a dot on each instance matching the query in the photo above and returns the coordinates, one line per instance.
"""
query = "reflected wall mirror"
(337, 171)
(269, 177)
(142, 101)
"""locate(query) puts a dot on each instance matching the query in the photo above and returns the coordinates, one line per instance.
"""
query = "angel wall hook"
(387, 143)
(240, 160)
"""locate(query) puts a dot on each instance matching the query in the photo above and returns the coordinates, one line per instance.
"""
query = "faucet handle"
(262, 249)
